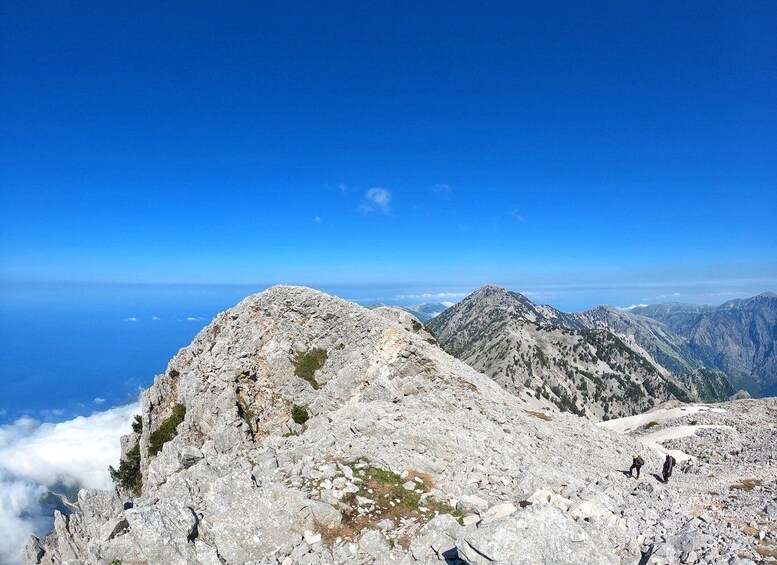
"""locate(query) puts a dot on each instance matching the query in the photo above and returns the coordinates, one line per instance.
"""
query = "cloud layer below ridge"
(35, 458)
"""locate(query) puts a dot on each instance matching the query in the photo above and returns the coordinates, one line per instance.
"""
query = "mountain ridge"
(300, 428)
(540, 351)
(739, 337)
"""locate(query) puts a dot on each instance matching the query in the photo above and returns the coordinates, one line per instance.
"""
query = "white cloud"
(98, 400)
(316, 219)
(131, 319)
(20, 517)
(633, 306)
(342, 187)
(194, 318)
(156, 318)
(376, 200)
(441, 188)
(35, 457)
(516, 216)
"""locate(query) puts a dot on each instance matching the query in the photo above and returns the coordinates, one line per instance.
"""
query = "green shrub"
(652, 424)
(167, 430)
(245, 412)
(677, 392)
(173, 373)
(299, 414)
(137, 424)
(128, 476)
(306, 365)
(416, 325)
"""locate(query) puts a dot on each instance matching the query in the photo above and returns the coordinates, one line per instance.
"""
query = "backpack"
(639, 461)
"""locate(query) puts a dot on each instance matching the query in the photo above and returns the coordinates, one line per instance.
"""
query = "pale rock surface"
(242, 483)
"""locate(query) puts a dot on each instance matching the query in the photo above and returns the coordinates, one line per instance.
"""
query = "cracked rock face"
(301, 428)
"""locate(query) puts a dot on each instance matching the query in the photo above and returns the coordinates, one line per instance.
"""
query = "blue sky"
(435, 144)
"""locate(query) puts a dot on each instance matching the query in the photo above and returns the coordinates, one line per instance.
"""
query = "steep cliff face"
(571, 360)
(300, 428)
(738, 338)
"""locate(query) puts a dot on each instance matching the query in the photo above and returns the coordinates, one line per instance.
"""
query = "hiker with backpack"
(669, 464)
(636, 463)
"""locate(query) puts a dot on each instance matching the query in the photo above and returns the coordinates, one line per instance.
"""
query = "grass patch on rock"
(767, 549)
(747, 484)
(382, 495)
(306, 364)
(649, 425)
(540, 415)
(166, 431)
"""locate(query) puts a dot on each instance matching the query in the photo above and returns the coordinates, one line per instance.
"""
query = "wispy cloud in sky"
(131, 319)
(441, 188)
(518, 217)
(316, 219)
(376, 200)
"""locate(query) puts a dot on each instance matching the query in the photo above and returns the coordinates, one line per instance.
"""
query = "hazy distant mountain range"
(738, 338)
(424, 312)
(606, 361)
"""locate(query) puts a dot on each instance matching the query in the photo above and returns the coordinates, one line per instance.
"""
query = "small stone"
(470, 519)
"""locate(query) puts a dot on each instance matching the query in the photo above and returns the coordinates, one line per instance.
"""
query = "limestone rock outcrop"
(301, 428)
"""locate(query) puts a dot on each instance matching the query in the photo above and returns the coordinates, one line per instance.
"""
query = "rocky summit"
(298, 428)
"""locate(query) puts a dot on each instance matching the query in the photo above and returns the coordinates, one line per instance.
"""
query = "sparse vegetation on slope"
(306, 364)
(128, 475)
(385, 494)
(299, 414)
(166, 431)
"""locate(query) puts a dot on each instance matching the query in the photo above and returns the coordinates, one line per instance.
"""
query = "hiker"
(636, 463)
(669, 464)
